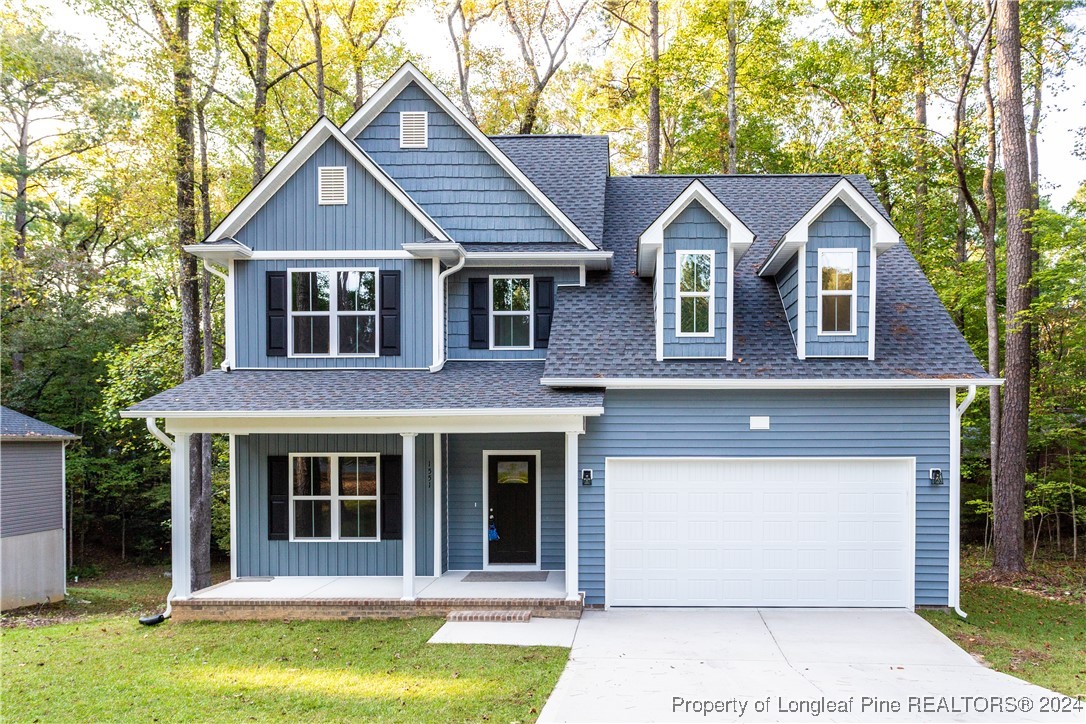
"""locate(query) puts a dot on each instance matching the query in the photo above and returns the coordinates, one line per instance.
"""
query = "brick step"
(506, 616)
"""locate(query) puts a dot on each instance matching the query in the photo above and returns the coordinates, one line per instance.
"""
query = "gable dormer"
(691, 251)
(825, 271)
(452, 169)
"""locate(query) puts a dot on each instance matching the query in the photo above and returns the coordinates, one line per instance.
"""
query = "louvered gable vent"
(332, 185)
(413, 130)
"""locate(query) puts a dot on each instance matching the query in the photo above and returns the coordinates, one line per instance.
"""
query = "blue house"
(467, 371)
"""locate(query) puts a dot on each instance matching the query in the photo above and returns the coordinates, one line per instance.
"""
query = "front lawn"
(1033, 627)
(111, 668)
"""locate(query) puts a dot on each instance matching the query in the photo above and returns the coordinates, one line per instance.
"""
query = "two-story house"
(468, 371)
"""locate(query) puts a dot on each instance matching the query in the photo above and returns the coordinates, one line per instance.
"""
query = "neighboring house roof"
(606, 329)
(571, 170)
(17, 426)
(459, 386)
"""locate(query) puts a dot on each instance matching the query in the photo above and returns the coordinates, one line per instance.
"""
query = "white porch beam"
(572, 499)
(543, 420)
(408, 515)
(180, 513)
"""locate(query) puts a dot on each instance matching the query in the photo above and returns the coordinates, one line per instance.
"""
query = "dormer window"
(332, 185)
(836, 291)
(414, 132)
(695, 290)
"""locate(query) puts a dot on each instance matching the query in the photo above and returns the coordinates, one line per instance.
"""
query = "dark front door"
(511, 519)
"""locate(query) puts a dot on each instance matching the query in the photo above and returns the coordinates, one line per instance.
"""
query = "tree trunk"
(921, 116)
(260, 92)
(733, 49)
(653, 145)
(531, 112)
(1011, 478)
(1035, 192)
(22, 181)
(991, 261)
(316, 26)
(961, 254)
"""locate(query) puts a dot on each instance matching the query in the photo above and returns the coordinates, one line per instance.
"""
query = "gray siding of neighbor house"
(464, 522)
(872, 423)
(457, 328)
(258, 556)
(695, 229)
(416, 313)
(458, 183)
(31, 487)
(291, 220)
(839, 228)
(788, 286)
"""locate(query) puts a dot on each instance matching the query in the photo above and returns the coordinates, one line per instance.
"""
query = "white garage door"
(760, 532)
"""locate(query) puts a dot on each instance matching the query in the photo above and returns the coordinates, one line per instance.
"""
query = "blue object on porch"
(492, 534)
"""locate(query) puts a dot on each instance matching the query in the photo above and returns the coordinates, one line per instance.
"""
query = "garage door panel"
(754, 532)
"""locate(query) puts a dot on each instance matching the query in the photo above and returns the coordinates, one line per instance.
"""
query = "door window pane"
(312, 519)
(512, 331)
(358, 518)
(358, 476)
(357, 334)
(513, 473)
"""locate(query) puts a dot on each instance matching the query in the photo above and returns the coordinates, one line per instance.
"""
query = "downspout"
(956, 494)
(227, 362)
(159, 618)
(439, 311)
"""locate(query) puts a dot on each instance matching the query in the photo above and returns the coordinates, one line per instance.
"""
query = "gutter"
(955, 494)
(227, 362)
(169, 445)
(439, 309)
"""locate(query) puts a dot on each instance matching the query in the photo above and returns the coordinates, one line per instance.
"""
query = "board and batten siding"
(804, 423)
(839, 228)
(456, 330)
(31, 487)
(258, 556)
(292, 220)
(788, 286)
(416, 314)
(464, 495)
(454, 179)
(695, 229)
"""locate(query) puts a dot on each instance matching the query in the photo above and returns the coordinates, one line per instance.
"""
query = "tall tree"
(920, 108)
(462, 18)
(364, 27)
(1009, 497)
(653, 160)
(732, 34)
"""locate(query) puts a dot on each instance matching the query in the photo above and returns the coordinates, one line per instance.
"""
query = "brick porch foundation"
(353, 609)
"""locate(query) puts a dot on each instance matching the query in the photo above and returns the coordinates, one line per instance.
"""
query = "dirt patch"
(1049, 587)
(1021, 658)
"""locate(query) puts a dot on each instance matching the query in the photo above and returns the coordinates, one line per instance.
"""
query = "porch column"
(408, 515)
(572, 497)
(180, 513)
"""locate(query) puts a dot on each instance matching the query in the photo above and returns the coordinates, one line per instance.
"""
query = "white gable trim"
(289, 164)
(883, 233)
(407, 74)
(651, 241)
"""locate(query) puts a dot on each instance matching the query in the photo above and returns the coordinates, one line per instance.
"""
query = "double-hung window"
(511, 312)
(335, 497)
(694, 271)
(836, 291)
(333, 312)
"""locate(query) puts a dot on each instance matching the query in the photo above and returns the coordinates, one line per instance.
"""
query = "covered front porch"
(387, 513)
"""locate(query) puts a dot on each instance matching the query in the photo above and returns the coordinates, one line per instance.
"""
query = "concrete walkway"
(759, 665)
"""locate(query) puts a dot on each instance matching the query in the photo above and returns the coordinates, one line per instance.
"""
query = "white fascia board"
(220, 254)
(565, 421)
(646, 383)
(590, 259)
(407, 74)
(883, 234)
(286, 167)
(740, 237)
(305, 414)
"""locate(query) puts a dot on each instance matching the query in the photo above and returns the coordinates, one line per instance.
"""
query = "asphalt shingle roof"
(606, 329)
(571, 170)
(17, 425)
(460, 385)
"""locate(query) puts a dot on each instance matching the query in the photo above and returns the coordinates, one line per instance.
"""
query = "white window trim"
(710, 295)
(321, 171)
(335, 496)
(333, 314)
(425, 129)
(853, 293)
(491, 314)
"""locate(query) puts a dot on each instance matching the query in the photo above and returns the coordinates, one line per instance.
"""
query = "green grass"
(111, 668)
(1032, 627)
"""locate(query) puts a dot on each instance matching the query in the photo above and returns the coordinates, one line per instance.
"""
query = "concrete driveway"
(758, 665)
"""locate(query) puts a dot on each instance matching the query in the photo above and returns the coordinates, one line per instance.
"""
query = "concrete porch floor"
(449, 585)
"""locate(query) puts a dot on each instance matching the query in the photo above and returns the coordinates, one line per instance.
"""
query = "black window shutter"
(278, 497)
(391, 497)
(544, 310)
(479, 319)
(390, 313)
(277, 313)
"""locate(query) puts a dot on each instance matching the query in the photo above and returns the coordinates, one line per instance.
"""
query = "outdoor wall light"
(586, 476)
(935, 475)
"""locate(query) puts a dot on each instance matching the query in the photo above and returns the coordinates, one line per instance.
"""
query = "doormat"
(505, 576)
